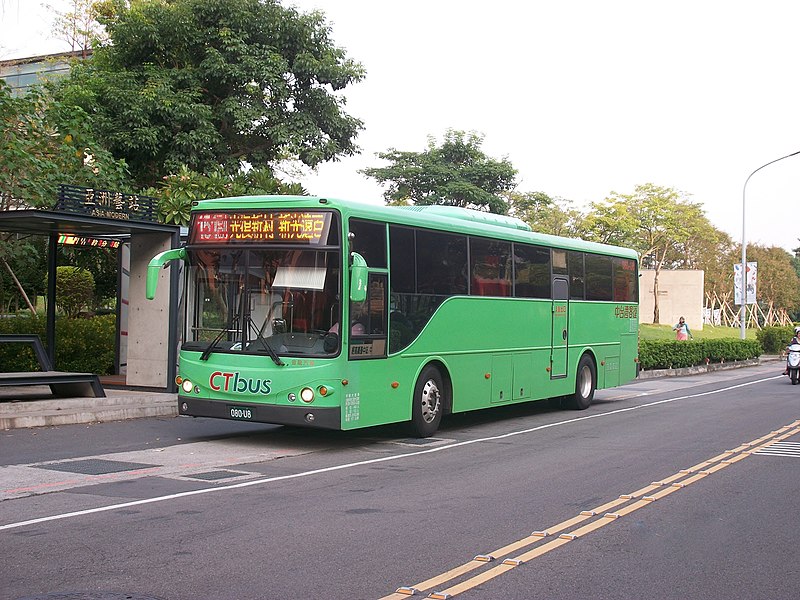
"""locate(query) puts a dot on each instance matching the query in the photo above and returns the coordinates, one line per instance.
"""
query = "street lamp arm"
(766, 165)
(743, 314)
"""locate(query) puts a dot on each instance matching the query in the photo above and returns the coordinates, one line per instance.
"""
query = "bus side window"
(532, 271)
(598, 277)
(368, 320)
(369, 240)
(576, 275)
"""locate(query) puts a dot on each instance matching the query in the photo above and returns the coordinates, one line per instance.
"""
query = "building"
(22, 73)
(680, 294)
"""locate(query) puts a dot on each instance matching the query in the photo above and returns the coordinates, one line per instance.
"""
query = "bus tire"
(585, 384)
(428, 402)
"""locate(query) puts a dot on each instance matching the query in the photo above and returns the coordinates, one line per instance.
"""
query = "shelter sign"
(107, 204)
(750, 279)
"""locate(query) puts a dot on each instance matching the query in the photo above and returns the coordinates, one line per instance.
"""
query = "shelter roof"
(46, 222)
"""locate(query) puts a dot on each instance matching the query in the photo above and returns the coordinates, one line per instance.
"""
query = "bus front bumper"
(303, 416)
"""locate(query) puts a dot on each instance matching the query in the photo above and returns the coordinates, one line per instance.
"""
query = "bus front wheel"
(428, 402)
(585, 384)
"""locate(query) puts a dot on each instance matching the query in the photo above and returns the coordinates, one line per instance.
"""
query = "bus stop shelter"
(152, 324)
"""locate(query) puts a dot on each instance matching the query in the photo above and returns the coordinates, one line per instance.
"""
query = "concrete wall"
(148, 320)
(680, 295)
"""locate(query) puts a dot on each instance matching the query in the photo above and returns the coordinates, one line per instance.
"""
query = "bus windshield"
(274, 302)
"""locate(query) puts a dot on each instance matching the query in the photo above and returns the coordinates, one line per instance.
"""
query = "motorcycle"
(793, 362)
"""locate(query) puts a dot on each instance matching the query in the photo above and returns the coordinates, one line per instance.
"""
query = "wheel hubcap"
(585, 382)
(430, 401)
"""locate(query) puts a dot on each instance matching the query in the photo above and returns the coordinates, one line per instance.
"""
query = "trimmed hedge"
(672, 354)
(82, 345)
(774, 339)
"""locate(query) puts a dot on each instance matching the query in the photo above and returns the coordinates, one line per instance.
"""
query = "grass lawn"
(664, 332)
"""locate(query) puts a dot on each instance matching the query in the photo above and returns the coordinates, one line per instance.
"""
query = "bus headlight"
(307, 394)
(187, 386)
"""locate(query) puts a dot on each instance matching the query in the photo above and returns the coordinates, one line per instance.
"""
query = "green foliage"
(544, 214)
(176, 192)
(82, 345)
(456, 173)
(101, 263)
(215, 84)
(26, 257)
(778, 282)
(775, 339)
(74, 289)
(671, 354)
(45, 142)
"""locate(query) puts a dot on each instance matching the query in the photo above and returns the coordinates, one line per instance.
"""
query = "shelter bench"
(62, 384)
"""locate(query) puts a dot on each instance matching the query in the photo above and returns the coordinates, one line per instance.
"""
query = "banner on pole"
(750, 279)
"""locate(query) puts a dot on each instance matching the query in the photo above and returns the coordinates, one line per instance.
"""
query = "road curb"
(71, 411)
(709, 368)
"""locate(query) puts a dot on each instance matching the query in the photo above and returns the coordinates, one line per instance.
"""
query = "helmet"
(797, 330)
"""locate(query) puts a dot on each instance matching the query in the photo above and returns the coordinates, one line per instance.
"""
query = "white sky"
(584, 97)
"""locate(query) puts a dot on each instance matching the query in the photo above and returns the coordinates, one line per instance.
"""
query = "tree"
(45, 142)
(456, 173)
(177, 191)
(79, 27)
(660, 223)
(214, 85)
(778, 283)
(545, 214)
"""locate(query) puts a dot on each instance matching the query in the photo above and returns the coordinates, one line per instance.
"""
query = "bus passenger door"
(560, 328)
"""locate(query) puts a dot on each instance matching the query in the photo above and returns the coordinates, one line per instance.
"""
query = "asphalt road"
(180, 508)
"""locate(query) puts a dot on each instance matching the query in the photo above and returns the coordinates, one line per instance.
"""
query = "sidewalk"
(34, 406)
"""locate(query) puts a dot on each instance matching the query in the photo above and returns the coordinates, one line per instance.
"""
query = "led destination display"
(281, 227)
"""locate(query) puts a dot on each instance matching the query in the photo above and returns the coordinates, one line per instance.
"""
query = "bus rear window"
(625, 280)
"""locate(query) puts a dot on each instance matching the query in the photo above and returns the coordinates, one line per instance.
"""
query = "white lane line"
(362, 463)
(780, 449)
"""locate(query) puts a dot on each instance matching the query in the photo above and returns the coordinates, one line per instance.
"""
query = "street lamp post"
(743, 313)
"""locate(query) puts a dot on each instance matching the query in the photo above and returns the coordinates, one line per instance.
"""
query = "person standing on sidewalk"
(682, 330)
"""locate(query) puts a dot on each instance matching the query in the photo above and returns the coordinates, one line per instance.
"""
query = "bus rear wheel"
(428, 402)
(585, 384)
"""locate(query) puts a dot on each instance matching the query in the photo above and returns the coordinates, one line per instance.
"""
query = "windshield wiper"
(260, 338)
(207, 352)
(270, 350)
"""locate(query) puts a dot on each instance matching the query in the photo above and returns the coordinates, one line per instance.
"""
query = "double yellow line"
(563, 533)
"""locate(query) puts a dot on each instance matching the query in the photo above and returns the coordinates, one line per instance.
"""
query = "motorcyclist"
(795, 340)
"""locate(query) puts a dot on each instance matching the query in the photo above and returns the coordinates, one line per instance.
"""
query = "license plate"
(241, 413)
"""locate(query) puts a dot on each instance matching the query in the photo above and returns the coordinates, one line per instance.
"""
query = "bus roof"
(453, 219)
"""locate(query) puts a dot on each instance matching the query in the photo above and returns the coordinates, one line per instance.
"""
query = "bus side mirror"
(358, 277)
(156, 264)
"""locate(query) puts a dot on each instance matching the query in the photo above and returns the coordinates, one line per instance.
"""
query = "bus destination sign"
(278, 227)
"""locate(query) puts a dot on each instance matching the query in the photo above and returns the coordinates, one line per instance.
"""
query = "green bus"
(445, 309)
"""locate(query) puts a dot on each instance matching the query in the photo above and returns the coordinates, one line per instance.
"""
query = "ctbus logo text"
(233, 382)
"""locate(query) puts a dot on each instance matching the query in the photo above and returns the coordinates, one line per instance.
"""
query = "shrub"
(672, 354)
(74, 289)
(82, 345)
(774, 339)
